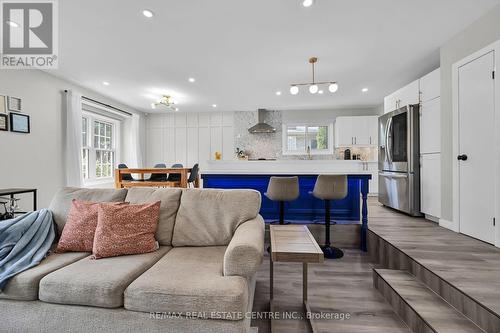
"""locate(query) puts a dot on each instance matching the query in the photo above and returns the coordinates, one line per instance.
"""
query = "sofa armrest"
(245, 251)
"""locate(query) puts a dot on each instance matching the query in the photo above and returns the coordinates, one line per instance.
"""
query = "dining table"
(143, 182)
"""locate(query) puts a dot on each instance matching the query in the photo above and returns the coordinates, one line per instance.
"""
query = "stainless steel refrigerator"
(399, 160)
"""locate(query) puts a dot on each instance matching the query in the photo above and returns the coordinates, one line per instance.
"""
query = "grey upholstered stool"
(330, 187)
(283, 189)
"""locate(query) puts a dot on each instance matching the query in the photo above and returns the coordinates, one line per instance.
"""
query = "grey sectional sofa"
(202, 279)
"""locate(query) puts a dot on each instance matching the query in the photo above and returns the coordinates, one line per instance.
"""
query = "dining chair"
(159, 177)
(175, 177)
(193, 176)
(125, 176)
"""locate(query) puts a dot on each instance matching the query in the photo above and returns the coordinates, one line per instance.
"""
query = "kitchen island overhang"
(306, 209)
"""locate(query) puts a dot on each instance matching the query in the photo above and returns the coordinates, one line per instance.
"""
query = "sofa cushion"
(98, 283)
(24, 286)
(170, 200)
(61, 203)
(209, 217)
(125, 229)
(189, 279)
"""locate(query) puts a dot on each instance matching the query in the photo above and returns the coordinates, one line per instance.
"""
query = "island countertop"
(289, 167)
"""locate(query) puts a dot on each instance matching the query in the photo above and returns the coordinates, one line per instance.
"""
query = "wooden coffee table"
(294, 243)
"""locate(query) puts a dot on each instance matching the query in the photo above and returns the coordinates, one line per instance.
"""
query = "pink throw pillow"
(78, 232)
(125, 229)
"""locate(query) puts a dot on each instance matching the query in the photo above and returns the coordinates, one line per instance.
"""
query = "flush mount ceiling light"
(192, 79)
(106, 83)
(278, 93)
(364, 90)
(165, 101)
(214, 105)
(148, 13)
(307, 3)
(314, 86)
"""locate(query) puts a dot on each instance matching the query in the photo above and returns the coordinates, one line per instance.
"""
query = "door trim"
(454, 224)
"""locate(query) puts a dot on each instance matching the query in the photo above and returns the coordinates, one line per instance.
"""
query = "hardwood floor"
(466, 263)
(343, 286)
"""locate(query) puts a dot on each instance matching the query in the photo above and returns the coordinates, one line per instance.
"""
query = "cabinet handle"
(370, 140)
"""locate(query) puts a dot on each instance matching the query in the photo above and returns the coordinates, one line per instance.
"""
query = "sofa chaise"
(201, 279)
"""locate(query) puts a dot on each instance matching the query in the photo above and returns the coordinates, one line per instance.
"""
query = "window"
(99, 147)
(299, 139)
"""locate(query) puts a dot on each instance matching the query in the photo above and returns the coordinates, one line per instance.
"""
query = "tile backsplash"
(270, 145)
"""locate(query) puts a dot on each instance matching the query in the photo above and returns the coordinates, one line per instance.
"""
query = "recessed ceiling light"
(147, 13)
(307, 3)
(214, 105)
(106, 83)
(12, 24)
(191, 79)
(364, 89)
(320, 92)
(278, 93)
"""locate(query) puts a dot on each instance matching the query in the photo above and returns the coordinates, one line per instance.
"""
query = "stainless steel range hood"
(261, 126)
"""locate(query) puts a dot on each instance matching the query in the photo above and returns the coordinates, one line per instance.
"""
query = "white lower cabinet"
(430, 184)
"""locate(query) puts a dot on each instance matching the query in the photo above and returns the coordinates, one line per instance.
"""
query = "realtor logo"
(29, 34)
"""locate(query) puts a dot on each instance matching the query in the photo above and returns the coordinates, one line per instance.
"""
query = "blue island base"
(306, 209)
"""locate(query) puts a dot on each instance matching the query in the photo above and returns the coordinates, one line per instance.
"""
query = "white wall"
(188, 138)
(36, 159)
(477, 36)
(291, 116)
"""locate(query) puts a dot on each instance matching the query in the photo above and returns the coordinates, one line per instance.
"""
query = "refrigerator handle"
(387, 141)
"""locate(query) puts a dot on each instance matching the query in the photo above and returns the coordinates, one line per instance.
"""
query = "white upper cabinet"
(344, 131)
(407, 95)
(430, 86)
(356, 131)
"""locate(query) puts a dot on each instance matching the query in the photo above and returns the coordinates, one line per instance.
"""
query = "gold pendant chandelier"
(333, 86)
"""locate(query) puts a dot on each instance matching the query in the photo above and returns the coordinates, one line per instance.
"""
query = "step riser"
(407, 314)
(387, 256)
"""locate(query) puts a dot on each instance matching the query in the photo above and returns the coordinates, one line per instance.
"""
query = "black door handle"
(462, 157)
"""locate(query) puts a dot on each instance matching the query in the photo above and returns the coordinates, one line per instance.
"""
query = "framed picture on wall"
(19, 123)
(14, 104)
(3, 104)
(4, 122)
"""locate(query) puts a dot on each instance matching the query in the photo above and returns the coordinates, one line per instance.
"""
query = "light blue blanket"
(24, 242)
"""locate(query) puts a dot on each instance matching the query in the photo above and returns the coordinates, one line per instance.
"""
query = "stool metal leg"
(282, 212)
(329, 251)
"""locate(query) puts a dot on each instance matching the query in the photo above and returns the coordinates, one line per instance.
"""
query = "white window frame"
(328, 151)
(115, 148)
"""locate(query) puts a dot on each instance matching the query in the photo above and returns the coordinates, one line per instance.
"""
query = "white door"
(476, 110)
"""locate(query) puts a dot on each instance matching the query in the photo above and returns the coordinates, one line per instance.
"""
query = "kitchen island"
(306, 209)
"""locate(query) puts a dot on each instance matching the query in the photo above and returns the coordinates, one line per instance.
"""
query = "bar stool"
(283, 189)
(330, 187)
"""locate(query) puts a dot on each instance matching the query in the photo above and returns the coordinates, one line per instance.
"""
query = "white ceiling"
(242, 52)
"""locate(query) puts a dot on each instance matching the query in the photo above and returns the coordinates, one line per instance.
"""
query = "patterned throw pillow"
(125, 229)
(79, 230)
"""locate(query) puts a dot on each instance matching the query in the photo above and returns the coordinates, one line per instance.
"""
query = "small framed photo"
(14, 104)
(4, 122)
(3, 104)
(19, 123)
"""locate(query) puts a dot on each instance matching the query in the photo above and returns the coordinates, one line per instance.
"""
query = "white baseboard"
(432, 218)
(448, 225)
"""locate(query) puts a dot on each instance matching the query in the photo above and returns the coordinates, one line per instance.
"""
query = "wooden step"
(419, 307)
